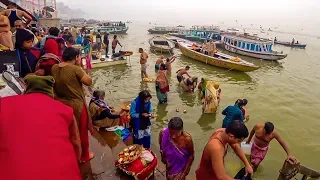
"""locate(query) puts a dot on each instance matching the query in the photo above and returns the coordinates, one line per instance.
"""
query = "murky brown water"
(286, 93)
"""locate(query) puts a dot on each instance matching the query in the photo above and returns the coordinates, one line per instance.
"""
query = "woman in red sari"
(68, 89)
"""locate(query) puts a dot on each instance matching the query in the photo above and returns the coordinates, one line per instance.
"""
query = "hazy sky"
(286, 13)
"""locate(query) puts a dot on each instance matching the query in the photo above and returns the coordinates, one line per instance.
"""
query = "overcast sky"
(286, 13)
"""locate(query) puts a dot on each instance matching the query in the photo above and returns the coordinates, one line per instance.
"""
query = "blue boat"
(296, 45)
(199, 34)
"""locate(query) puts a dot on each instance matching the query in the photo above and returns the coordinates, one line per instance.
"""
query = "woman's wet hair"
(144, 95)
(140, 49)
(237, 129)
(98, 93)
(175, 123)
(268, 127)
(70, 54)
(244, 102)
(163, 66)
(239, 102)
(54, 31)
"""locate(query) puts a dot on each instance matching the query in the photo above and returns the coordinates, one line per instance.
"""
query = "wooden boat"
(219, 59)
(296, 45)
(252, 46)
(102, 61)
(161, 44)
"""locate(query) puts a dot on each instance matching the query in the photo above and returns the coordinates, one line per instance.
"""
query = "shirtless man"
(169, 62)
(114, 44)
(264, 134)
(14, 14)
(143, 61)
(181, 72)
(212, 161)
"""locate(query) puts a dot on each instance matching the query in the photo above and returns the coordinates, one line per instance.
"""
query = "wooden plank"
(308, 171)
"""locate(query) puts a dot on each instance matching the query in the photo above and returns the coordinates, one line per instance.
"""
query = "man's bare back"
(181, 72)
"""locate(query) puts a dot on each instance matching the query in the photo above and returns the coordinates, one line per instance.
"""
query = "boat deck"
(249, 38)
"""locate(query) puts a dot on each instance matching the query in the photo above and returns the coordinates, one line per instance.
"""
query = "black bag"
(241, 175)
(10, 62)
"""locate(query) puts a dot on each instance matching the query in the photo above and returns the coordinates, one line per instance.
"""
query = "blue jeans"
(107, 50)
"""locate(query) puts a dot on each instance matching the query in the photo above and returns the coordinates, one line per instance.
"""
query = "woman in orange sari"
(162, 85)
(69, 81)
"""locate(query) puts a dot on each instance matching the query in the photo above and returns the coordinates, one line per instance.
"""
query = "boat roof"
(249, 38)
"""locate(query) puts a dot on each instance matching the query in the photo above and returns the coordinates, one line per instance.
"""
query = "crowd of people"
(53, 148)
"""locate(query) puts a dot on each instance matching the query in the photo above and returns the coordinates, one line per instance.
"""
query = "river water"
(285, 93)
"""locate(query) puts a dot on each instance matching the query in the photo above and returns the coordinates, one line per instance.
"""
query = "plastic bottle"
(246, 148)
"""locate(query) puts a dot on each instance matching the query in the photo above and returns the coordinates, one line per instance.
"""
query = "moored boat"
(297, 45)
(164, 30)
(252, 46)
(218, 59)
(112, 28)
(161, 44)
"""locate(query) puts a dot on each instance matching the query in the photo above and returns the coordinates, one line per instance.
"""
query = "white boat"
(161, 44)
(252, 46)
(112, 28)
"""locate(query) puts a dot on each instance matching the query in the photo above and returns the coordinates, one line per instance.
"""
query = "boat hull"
(291, 45)
(214, 61)
(161, 44)
(270, 57)
(151, 31)
(161, 50)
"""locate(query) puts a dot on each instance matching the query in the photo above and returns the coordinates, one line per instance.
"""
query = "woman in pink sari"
(176, 148)
(162, 85)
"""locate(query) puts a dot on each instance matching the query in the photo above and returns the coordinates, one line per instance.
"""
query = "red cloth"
(51, 46)
(34, 136)
(84, 137)
(137, 168)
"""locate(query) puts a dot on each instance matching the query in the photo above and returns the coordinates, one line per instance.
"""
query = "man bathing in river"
(212, 161)
(143, 61)
(264, 134)
(181, 72)
(169, 61)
